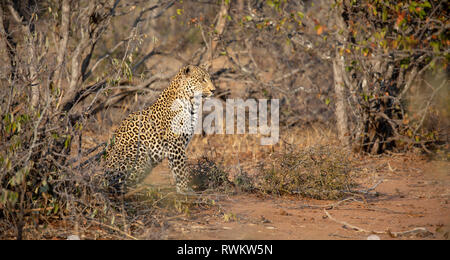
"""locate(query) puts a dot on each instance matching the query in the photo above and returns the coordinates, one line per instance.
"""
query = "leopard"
(162, 130)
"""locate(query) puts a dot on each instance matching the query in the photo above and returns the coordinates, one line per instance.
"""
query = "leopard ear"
(187, 70)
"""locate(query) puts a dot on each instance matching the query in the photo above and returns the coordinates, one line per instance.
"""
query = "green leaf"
(384, 14)
(426, 4)
(3, 196)
(13, 197)
(67, 142)
(435, 46)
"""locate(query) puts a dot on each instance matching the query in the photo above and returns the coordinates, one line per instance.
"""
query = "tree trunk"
(31, 55)
(4, 51)
(339, 84)
(339, 88)
(219, 28)
(65, 19)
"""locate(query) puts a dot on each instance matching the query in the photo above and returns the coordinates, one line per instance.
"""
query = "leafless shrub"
(209, 175)
(316, 172)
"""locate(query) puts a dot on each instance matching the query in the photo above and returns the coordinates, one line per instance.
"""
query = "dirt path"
(412, 194)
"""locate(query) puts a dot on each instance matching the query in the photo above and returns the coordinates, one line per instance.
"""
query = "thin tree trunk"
(240, 7)
(31, 59)
(65, 18)
(4, 50)
(339, 88)
(77, 57)
(219, 28)
(339, 84)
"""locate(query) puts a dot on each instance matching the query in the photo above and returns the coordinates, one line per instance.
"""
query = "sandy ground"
(410, 201)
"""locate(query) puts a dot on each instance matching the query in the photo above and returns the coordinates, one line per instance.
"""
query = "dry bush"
(246, 162)
(244, 182)
(320, 172)
(317, 171)
(208, 175)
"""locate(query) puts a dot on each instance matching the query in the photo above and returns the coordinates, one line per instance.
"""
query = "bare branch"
(419, 230)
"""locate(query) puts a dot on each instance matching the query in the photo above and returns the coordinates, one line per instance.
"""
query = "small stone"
(73, 237)
(284, 213)
(373, 237)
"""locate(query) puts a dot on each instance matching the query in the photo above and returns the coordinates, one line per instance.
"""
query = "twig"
(350, 226)
(34, 210)
(390, 211)
(88, 73)
(92, 158)
(293, 72)
(419, 230)
(115, 229)
(328, 206)
(371, 188)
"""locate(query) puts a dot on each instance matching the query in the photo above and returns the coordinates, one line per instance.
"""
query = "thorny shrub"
(208, 175)
(317, 172)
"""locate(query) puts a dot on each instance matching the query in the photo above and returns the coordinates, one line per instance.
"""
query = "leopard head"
(194, 80)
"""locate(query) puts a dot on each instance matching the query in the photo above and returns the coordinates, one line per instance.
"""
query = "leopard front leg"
(177, 164)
